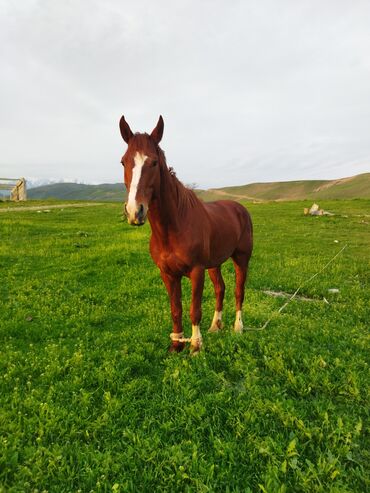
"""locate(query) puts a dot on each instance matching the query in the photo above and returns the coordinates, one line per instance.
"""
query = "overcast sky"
(249, 90)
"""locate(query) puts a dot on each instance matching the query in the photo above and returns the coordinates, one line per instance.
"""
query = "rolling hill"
(106, 192)
(344, 188)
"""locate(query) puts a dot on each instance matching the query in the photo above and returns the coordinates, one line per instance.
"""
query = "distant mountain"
(344, 188)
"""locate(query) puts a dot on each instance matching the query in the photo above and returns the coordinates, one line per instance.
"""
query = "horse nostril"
(140, 212)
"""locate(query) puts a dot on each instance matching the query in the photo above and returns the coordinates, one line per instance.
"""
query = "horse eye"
(154, 163)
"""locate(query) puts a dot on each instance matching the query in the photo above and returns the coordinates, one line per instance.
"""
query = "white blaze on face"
(139, 160)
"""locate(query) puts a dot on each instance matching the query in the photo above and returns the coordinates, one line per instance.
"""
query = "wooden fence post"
(17, 188)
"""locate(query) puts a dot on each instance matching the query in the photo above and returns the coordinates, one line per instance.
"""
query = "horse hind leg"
(241, 268)
(219, 286)
(197, 284)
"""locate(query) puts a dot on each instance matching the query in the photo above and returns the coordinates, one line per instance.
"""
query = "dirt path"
(47, 207)
(233, 195)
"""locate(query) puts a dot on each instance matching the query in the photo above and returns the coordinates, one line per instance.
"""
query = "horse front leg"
(173, 285)
(197, 284)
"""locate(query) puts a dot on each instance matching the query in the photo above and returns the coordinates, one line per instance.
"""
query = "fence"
(16, 188)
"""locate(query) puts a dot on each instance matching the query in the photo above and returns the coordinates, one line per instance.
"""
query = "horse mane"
(185, 197)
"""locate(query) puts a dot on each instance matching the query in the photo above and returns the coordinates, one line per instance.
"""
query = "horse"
(188, 236)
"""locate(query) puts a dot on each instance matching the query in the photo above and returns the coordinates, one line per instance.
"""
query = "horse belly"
(227, 225)
(220, 250)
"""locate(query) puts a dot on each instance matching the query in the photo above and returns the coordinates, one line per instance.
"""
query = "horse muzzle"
(136, 216)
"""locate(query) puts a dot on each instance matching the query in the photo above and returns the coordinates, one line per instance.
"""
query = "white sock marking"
(196, 337)
(238, 326)
(216, 321)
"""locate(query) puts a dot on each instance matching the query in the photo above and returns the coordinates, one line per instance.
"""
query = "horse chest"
(170, 260)
(170, 263)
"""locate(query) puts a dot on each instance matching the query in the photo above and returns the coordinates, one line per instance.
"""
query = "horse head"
(141, 163)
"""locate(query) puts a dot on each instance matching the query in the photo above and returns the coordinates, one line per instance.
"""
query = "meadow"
(91, 401)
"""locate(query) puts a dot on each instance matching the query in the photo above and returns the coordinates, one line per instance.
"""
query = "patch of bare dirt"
(332, 183)
(234, 195)
(283, 294)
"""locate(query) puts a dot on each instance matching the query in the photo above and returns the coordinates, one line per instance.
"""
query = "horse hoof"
(196, 347)
(194, 351)
(213, 329)
(216, 327)
(238, 329)
(176, 347)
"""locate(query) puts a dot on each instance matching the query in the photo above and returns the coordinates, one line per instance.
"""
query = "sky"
(250, 91)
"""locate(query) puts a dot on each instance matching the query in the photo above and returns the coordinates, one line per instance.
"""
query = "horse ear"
(157, 133)
(125, 130)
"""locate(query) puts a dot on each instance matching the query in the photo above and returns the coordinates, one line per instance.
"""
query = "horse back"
(222, 213)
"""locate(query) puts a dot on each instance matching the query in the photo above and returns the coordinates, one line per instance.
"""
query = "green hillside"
(345, 188)
(106, 192)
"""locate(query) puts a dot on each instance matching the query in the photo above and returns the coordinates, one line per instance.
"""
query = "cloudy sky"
(249, 90)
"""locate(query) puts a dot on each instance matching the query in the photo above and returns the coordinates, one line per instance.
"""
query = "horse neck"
(167, 209)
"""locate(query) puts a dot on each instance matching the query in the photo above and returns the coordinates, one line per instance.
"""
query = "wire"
(295, 293)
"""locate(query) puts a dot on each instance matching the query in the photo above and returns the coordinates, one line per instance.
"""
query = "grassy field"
(90, 400)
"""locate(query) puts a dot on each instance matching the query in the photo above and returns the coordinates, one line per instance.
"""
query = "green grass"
(90, 400)
(7, 204)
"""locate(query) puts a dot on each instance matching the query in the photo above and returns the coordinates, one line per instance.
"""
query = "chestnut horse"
(188, 235)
